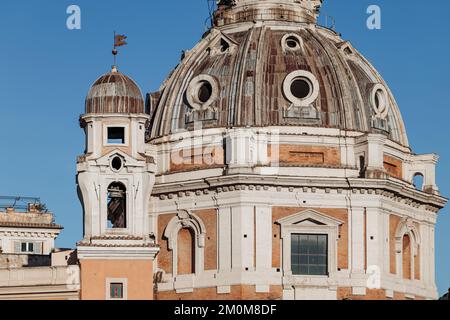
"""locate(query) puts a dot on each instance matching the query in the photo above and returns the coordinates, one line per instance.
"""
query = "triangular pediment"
(346, 47)
(221, 43)
(309, 222)
(310, 218)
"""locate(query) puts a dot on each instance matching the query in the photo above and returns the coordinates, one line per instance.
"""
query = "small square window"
(116, 135)
(116, 291)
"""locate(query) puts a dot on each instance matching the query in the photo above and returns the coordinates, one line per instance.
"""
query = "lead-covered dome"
(278, 70)
(114, 92)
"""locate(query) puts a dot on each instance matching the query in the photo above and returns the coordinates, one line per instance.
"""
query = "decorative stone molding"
(379, 100)
(309, 222)
(292, 42)
(192, 94)
(404, 195)
(186, 219)
(406, 227)
(310, 79)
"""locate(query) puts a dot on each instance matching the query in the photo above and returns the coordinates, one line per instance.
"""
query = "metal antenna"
(115, 52)
(210, 4)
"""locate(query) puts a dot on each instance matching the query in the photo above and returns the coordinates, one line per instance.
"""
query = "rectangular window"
(27, 247)
(116, 135)
(116, 290)
(309, 254)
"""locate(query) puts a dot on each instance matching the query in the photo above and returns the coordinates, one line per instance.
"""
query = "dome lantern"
(235, 11)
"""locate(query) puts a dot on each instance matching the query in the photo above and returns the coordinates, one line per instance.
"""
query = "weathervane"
(119, 40)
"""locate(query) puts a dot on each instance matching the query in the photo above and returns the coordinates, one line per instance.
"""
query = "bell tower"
(115, 177)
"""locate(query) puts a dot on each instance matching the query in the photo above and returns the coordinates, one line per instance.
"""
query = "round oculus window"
(205, 92)
(301, 88)
(116, 163)
(202, 92)
(292, 43)
(380, 100)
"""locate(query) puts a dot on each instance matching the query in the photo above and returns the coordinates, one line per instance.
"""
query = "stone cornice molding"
(387, 188)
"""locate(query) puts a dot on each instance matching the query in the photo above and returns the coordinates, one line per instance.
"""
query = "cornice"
(393, 190)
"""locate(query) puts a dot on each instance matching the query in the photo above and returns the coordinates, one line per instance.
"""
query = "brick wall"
(306, 155)
(196, 159)
(393, 224)
(393, 166)
(186, 252)
(238, 292)
(209, 218)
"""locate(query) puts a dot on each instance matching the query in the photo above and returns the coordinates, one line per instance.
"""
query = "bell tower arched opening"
(117, 206)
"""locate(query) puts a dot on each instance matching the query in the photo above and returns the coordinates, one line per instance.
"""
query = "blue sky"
(46, 71)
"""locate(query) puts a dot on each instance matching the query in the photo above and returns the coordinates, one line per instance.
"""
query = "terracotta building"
(273, 163)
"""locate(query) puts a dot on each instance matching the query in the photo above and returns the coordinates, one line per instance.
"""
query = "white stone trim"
(284, 45)
(109, 281)
(314, 85)
(186, 219)
(117, 253)
(293, 225)
(126, 135)
(194, 86)
(382, 110)
(406, 227)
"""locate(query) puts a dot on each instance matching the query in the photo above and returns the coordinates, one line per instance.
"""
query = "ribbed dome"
(276, 73)
(114, 92)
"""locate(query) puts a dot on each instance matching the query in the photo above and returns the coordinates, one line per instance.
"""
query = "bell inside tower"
(117, 206)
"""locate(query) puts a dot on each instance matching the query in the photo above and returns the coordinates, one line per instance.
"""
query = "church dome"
(268, 63)
(114, 92)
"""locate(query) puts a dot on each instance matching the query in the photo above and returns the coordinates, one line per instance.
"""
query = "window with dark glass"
(27, 247)
(116, 291)
(309, 254)
(116, 135)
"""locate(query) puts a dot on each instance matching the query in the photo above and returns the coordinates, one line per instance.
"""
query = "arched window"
(186, 251)
(406, 257)
(418, 181)
(117, 206)
(407, 250)
(186, 239)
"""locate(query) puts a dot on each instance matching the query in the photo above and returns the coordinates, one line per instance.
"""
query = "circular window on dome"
(117, 163)
(301, 88)
(205, 92)
(291, 42)
(202, 92)
(379, 100)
